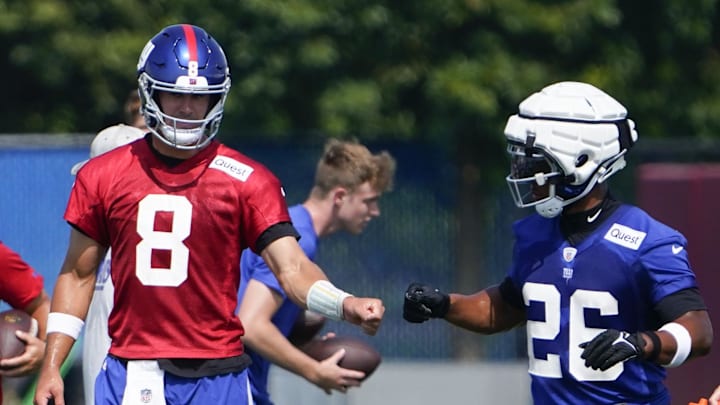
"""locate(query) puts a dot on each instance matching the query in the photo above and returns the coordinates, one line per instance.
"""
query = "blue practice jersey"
(610, 280)
(252, 266)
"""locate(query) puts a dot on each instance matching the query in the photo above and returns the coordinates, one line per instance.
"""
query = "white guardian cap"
(566, 138)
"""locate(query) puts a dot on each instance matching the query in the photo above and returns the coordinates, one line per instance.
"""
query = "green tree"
(448, 72)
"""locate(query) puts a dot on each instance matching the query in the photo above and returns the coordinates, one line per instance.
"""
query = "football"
(11, 321)
(358, 354)
(306, 326)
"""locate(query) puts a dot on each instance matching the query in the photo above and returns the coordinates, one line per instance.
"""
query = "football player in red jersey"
(22, 288)
(177, 208)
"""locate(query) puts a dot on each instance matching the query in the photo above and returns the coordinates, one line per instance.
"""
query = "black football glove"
(611, 347)
(423, 302)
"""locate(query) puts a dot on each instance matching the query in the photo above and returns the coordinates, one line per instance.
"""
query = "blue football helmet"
(183, 59)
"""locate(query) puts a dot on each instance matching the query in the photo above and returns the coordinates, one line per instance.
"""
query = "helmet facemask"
(535, 180)
(178, 132)
(532, 178)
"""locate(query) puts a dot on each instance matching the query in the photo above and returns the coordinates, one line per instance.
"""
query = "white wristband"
(326, 299)
(64, 323)
(682, 340)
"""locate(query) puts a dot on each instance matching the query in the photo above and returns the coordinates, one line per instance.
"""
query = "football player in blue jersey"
(606, 291)
(349, 181)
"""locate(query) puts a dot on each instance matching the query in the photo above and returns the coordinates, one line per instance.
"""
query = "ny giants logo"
(569, 254)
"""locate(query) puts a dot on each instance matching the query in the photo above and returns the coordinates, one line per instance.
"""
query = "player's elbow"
(703, 336)
(703, 344)
(250, 340)
(252, 334)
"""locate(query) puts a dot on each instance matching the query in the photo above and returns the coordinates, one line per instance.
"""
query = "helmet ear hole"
(581, 160)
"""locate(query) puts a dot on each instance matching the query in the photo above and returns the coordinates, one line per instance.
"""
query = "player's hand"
(701, 401)
(611, 347)
(50, 388)
(330, 376)
(366, 312)
(29, 361)
(715, 397)
(423, 302)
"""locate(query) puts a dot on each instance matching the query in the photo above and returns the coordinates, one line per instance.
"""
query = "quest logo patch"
(625, 236)
(240, 171)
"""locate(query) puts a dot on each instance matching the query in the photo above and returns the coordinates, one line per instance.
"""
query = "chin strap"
(554, 206)
(608, 170)
(550, 208)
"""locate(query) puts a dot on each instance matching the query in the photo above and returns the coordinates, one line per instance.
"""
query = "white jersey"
(96, 341)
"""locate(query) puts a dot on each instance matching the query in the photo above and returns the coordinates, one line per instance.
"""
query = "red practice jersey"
(176, 235)
(19, 283)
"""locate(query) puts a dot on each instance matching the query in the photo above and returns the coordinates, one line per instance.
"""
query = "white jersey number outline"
(181, 211)
(549, 329)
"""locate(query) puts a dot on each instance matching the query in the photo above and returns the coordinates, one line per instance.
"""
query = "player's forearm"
(295, 272)
(307, 286)
(56, 350)
(72, 294)
(39, 309)
(271, 344)
(483, 312)
(698, 327)
(470, 312)
(297, 282)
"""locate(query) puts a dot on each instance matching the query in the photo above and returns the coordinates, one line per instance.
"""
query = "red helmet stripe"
(192, 42)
